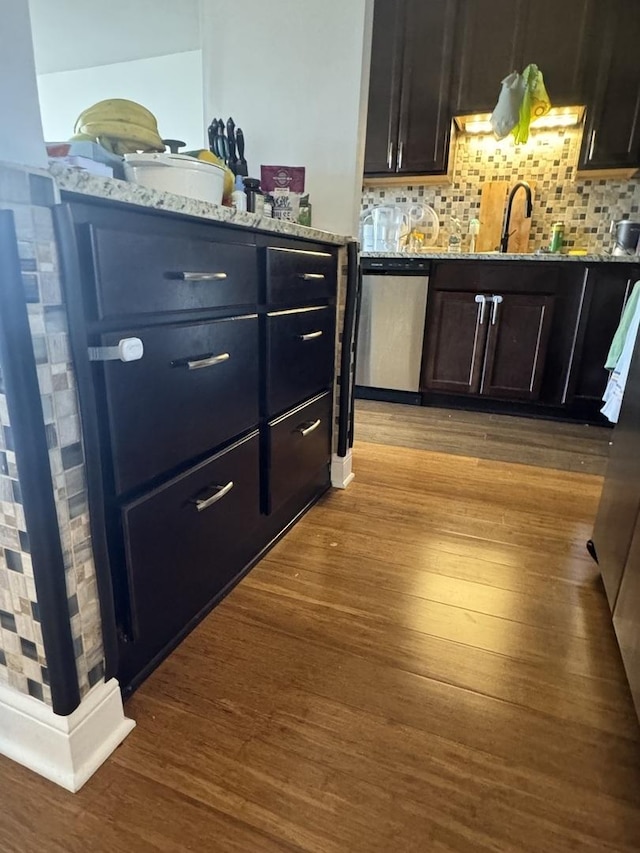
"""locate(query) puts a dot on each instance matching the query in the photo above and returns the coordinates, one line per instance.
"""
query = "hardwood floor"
(425, 663)
(550, 444)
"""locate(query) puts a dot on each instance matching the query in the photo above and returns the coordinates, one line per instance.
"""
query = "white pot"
(176, 173)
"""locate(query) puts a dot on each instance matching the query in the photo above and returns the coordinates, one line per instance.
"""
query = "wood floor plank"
(533, 441)
(425, 663)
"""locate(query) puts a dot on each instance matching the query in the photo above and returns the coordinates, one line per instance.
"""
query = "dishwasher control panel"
(396, 265)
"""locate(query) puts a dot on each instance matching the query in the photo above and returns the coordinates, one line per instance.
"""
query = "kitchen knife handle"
(240, 143)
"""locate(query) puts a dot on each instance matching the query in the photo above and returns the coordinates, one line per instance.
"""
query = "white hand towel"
(618, 379)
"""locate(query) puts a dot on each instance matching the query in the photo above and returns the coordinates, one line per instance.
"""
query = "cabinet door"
(195, 387)
(626, 619)
(184, 542)
(620, 499)
(487, 49)
(608, 288)
(555, 37)
(425, 111)
(381, 147)
(454, 342)
(612, 133)
(518, 334)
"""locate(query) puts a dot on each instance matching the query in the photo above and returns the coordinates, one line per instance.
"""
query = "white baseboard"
(341, 473)
(66, 750)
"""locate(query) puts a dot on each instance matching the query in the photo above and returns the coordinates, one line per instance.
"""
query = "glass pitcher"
(389, 224)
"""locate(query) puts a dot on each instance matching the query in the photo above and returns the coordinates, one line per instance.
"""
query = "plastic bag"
(507, 111)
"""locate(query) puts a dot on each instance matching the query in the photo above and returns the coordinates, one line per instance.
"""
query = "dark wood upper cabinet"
(556, 37)
(612, 132)
(409, 115)
(381, 147)
(495, 37)
(425, 117)
(486, 49)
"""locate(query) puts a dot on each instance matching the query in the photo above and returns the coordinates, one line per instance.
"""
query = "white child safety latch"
(128, 349)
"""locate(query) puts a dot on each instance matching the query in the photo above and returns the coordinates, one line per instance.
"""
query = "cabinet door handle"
(306, 430)
(481, 300)
(494, 310)
(199, 276)
(311, 276)
(592, 143)
(199, 363)
(400, 155)
(390, 155)
(311, 335)
(205, 503)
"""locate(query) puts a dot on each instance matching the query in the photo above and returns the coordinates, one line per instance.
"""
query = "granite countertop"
(78, 181)
(441, 255)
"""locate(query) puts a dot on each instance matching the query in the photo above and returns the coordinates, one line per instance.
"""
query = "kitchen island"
(176, 407)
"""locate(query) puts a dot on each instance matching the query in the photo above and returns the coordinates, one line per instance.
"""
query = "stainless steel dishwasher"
(391, 328)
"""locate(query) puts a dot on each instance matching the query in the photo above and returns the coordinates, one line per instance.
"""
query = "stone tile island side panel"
(29, 195)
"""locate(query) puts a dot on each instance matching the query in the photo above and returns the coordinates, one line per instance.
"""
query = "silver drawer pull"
(311, 428)
(310, 336)
(201, 276)
(199, 363)
(207, 502)
(311, 276)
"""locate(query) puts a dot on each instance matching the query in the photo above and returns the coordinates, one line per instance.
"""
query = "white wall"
(71, 34)
(20, 129)
(291, 75)
(169, 86)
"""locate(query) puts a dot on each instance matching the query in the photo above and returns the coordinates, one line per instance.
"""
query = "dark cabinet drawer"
(297, 277)
(187, 540)
(299, 446)
(140, 273)
(195, 387)
(300, 355)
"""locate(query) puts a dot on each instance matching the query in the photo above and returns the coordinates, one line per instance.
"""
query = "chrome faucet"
(504, 240)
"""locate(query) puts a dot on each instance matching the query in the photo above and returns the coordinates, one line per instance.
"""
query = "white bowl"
(176, 173)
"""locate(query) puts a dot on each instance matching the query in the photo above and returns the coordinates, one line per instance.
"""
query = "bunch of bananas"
(120, 126)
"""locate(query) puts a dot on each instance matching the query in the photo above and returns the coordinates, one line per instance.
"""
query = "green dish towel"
(620, 336)
(535, 102)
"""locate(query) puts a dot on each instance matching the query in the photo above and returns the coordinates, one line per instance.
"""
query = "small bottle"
(455, 236)
(255, 196)
(474, 230)
(557, 237)
(239, 196)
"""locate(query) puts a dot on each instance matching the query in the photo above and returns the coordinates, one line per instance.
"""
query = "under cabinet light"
(557, 117)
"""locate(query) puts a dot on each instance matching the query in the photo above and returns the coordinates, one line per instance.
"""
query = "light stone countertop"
(441, 255)
(79, 181)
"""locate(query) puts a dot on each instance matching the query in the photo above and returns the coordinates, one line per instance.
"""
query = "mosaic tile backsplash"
(549, 159)
(22, 656)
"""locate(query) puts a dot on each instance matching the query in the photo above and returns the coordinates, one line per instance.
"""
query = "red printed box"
(282, 178)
